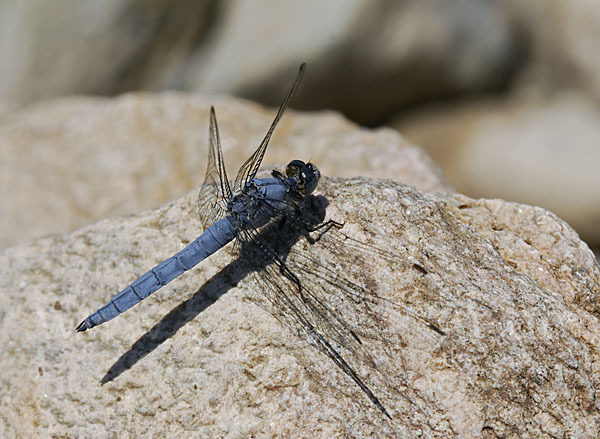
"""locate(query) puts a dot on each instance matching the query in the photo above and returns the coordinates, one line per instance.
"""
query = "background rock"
(71, 162)
(495, 335)
(543, 152)
(367, 59)
(561, 37)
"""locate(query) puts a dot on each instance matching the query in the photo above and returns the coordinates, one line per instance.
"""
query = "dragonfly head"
(306, 174)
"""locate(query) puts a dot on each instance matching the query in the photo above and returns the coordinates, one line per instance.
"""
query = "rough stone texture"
(536, 151)
(488, 314)
(71, 162)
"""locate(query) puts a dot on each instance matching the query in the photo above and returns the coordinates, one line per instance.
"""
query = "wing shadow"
(313, 208)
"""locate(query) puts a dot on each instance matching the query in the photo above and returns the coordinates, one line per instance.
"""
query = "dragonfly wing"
(249, 169)
(298, 296)
(215, 191)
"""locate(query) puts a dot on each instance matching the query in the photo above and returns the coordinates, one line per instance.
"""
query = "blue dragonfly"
(266, 216)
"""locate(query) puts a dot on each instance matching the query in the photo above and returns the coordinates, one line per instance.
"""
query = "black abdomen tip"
(82, 326)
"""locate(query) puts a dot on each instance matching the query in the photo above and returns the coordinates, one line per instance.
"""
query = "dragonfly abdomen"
(213, 238)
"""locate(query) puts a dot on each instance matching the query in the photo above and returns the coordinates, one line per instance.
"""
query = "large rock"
(478, 318)
(368, 58)
(71, 162)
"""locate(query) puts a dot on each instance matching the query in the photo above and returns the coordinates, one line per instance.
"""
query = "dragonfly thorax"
(262, 200)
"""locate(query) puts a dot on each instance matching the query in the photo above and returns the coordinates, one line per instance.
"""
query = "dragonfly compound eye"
(293, 168)
(306, 174)
(309, 177)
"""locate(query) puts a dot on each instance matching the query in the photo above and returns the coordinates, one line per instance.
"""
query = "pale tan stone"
(487, 325)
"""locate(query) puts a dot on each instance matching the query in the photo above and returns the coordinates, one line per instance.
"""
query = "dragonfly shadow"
(249, 260)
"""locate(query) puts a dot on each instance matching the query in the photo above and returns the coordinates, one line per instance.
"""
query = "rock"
(71, 162)
(536, 151)
(56, 51)
(481, 321)
(368, 59)
(561, 38)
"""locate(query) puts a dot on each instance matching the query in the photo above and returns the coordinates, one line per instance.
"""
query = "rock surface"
(488, 313)
(71, 162)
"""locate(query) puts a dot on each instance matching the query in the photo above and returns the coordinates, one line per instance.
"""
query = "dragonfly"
(266, 217)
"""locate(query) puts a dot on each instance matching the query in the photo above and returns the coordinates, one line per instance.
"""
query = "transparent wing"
(298, 304)
(314, 291)
(249, 169)
(215, 191)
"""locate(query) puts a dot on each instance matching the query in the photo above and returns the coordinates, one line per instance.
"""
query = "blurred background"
(503, 95)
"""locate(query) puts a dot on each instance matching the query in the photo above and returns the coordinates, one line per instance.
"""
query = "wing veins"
(250, 167)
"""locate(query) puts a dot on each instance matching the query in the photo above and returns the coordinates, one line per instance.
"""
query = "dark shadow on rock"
(250, 260)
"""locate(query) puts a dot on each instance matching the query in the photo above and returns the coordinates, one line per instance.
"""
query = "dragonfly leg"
(322, 229)
(285, 271)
